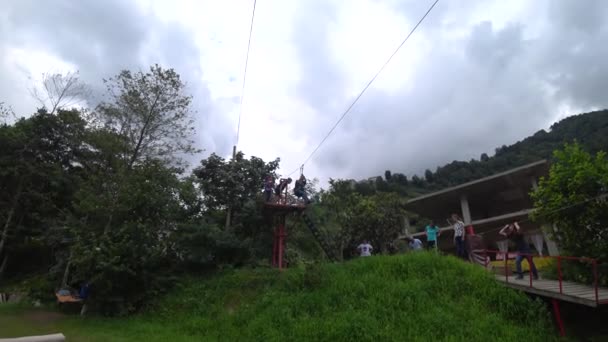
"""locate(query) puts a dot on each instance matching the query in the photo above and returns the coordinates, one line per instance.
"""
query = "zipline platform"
(571, 291)
(285, 208)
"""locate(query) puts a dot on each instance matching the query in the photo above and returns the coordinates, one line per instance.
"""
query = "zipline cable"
(368, 85)
(238, 128)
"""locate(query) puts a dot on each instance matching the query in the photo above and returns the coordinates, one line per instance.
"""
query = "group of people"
(299, 189)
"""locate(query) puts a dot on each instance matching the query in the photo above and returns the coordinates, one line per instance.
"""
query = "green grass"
(415, 297)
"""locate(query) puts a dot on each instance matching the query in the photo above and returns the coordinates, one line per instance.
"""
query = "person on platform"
(300, 189)
(513, 232)
(459, 235)
(365, 249)
(268, 186)
(432, 233)
(282, 186)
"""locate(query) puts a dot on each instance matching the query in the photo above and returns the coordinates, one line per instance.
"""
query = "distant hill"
(589, 129)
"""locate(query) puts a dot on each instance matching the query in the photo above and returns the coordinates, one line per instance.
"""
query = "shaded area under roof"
(507, 191)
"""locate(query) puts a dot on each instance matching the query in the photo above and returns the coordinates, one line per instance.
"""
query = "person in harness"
(300, 189)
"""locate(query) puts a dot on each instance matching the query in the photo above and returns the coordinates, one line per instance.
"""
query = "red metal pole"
(506, 256)
(558, 317)
(275, 246)
(595, 282)
(559, 272)
(280, 256)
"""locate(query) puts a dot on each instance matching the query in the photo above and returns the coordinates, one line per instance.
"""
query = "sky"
(476, 74)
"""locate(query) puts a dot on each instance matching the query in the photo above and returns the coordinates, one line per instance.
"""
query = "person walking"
(513, 232)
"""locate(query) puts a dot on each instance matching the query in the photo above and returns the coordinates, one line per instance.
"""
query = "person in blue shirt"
(432, 233)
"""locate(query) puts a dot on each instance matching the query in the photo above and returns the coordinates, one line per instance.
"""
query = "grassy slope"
(410, 297)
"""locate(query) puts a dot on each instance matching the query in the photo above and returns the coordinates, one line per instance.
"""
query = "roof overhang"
(506, 186)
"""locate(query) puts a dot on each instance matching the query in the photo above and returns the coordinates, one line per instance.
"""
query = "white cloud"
(476, 74)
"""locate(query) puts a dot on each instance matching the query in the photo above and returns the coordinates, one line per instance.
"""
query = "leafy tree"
(39, 159)
(387, 175)
(151, 113)
(484, 157)
(428, 175)
(569, 199)
(234, 182)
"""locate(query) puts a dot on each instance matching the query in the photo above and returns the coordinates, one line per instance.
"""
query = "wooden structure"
(279, 210)
(550, 288)
(40, 338)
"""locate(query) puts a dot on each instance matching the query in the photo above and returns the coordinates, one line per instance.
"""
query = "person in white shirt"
(365, 249)
(459, 235)
(415, 244)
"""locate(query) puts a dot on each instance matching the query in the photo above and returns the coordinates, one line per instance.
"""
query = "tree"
(428, 175)
(484, 157)
(151, 113)
(573, 198)
(387, 175)
(232, 183)
(60, 91)
(39, 159)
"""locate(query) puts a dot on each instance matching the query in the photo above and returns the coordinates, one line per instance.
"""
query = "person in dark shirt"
(300, 189)
(513, 232)
(268, 186)
(282, 186)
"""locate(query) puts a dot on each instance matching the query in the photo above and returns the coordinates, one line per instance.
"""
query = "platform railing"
(530, 256)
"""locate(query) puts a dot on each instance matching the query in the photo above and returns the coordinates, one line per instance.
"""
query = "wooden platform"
(571, 291)
(287, 208)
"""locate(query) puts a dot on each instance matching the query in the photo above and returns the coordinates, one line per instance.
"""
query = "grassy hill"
(415, 297)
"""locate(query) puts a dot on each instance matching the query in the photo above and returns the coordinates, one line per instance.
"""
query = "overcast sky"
(474, 76)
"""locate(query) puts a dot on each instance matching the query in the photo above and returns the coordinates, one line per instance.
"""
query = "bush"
(580, 272)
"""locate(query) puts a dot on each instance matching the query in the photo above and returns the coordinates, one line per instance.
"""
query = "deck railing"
(485, 253)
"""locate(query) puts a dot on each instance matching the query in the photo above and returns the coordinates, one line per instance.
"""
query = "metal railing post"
(596, 282)
(559, 272)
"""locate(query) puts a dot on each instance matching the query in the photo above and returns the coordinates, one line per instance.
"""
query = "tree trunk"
(3, 266)
(9, 218)
(66, 273)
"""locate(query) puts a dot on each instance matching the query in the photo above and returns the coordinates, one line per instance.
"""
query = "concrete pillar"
(466, 212)
(534, 183)
(551, 244)
(406, 226)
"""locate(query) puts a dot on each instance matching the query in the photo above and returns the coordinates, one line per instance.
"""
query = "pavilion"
(486, 205)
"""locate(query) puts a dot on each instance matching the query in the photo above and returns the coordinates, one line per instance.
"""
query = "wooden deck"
(571, 292)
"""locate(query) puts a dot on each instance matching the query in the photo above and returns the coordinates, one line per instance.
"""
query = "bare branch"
(60, 91)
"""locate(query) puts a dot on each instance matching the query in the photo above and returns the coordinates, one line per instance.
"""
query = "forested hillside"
(589, 129)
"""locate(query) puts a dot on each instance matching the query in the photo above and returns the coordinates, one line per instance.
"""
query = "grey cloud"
(495, 89)
(103, 37)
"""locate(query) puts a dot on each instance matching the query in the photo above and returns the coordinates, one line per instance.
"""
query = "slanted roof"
(500, 189)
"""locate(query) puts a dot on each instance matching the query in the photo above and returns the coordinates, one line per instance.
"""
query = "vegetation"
(573, 198)
(415, 297)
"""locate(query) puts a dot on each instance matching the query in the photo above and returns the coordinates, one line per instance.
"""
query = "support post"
(558, 317)
(466, 212)
(229, 209)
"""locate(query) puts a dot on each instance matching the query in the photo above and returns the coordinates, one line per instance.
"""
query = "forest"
(103, 195)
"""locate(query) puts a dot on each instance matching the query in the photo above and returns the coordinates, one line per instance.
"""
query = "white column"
(551, 244)
(406, 226)
(534, 183)
(466, 212)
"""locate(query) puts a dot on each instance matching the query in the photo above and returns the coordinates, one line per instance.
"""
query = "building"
(487, 205)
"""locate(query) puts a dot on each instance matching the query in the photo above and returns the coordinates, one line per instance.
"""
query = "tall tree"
(151, 113)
